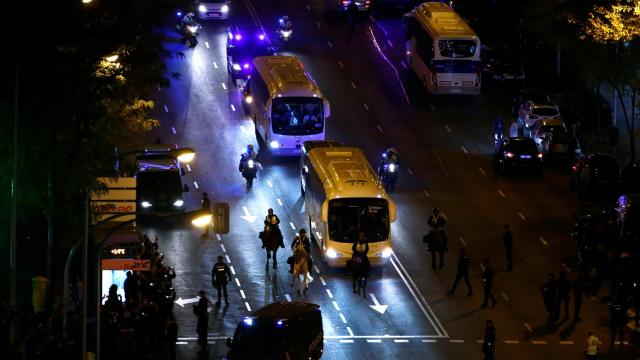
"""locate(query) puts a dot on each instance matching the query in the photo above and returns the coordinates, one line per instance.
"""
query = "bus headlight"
(274, 144)
(202, 8)
(386, 252)
(236, 67)
(178, 203)
(331, 254)
(145, 204)
(224, 9)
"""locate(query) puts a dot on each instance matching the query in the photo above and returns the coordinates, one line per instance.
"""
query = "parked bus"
(442, 50)
(285, 103)
(343, 196)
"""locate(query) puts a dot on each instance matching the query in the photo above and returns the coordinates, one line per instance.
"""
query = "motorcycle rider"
(390, 156)
(187, 20)
(250, 154)
(437, 219)
(284, 24)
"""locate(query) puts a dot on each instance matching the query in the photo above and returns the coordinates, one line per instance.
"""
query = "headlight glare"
(387, 252)
(274, 144)
(178, 203)
(224, 9)
(236, 67)
(145, 204)
(202, 8)
(331, 254)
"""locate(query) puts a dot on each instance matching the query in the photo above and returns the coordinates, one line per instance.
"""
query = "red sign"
(126, 264)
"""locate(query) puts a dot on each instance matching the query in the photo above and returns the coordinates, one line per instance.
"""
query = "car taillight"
(508, 154)
(345, 2)
(539, 155)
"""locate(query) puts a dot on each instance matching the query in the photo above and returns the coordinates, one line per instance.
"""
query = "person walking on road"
(220, 276)
(202, 326)
(462, 273)
(618, 312)
(549, 293)
(507, 239)
(592, 347)
(489, 342)
(437, 244)
(206, 207)
(487, 284)
(578, 293)
(437, 219)
(564, 290)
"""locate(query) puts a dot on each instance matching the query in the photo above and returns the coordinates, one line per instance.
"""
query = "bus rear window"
(457, 48)
(349, 216)
(297, 115)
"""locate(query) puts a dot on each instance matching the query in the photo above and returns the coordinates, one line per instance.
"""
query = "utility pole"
(14, 189)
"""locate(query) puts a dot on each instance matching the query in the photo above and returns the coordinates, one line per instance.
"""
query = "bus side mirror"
(229, 343)
(221, 218)
(327, 108)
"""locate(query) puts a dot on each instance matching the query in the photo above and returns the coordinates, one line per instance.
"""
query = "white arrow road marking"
(250, 218)
(376, 305)
(182, 302)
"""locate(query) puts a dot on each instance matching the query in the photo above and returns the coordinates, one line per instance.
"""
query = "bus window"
(457, 48)
(349, 216)
(297, 115)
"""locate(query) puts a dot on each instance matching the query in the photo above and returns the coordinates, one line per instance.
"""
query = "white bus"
(285, 104)
(343, 196)
(442, 50)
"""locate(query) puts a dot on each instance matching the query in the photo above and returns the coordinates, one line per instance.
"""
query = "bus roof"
(345, 173)
(442, 21)
(285, 75)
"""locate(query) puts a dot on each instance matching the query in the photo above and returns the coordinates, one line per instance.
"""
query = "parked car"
(559, 144)
(518, 153)
(596, 176)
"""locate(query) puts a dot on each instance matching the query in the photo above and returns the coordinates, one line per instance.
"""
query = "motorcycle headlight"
(386, 252)
(286, 33)
(192, 29)
(145, 204)
(392, 167)
(250, 164)
(202, 8)
(248, 99)
(224, 9)
(236, 67)
(274, 144)
(331, 254)
(178, 203)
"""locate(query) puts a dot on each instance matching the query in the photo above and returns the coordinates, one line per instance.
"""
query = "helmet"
(270, 210)
(303, 231)
(190, 13)
(220, 258)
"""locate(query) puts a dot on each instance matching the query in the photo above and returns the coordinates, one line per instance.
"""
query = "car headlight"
(286, 33)
(236, 67)
(274, 144)
(146, 204)
(392, 167)
(331, 254)
(248, 99)
(202, 8)
(178, 203)
(224, 9)
(250, 164)
(386, 252)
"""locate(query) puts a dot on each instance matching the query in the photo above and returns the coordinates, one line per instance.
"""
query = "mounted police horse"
(271, 240)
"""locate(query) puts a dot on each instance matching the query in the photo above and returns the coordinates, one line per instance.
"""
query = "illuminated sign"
(126, 264)
(118, 251)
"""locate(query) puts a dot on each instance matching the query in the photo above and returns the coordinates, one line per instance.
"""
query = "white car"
(213, 9)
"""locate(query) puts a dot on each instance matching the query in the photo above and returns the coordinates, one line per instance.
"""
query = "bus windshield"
(349, 216)
(297, 115)
(152, 183)
(457, 48)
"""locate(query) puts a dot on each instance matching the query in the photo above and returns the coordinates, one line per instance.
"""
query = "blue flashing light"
(178, 13)
(280, 323)
(238, 37)
(261, 36)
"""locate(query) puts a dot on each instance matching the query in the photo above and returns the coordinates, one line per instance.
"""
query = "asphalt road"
(446, 152)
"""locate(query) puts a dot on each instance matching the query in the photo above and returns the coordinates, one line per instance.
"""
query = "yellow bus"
(343, 196)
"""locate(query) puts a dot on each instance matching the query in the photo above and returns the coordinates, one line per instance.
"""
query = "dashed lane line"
(195, 183)
(322, 281)
(456, 341)
(504, 296)
(292, 225)
(404, 64)
(350, 331)
(366, 107)
(374, 341)
(433, 108)
(215, 65)
(233, 271)
(565, 267)
(308, 7)
(223, 248)
(248, 307)
(206, 43)
(542, 240)
(390, 43)
(335, 305)
(567, 342)
(269, 183)
(502, 194)
(344, 320)
(329, 43)
(380, 128)
(372, 19)
(446, 173)
(233, 108)
(401, 340)
(481, 171)
(242, 294)
(237, 282)
(464, 149)
(346, 341)
(511, 341)
(522, 216)
(426, 193)
(329, 293)
(279, 201)
(188, 168)
(353, 85)
(429, 340)
(173, 130)
(166, 109)
(288, 297)
(410, 171)
(218, 237)
(538, 342)
(228, 259)
(224, 86)
(340, 64)
(526, 325)
(446, 127)
(316, 269)
(318, 25)
(462, 240)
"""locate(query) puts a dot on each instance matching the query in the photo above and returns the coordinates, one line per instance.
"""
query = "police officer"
(304, 240)
(206, 207)
(220, 275)
(487, 284)
(202, 327)
(489, 342)
(462, 273)
(272, 218)
(437, 219)
(618, 312)
(564, 289)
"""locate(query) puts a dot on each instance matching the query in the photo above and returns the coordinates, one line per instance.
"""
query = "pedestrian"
(507, 239)
(220, 276)
(592, 346)
(549, 293)
(564, 290)
(437, 219)
(618, 312)
(489, 342)
(131, 287)
(304, 240)
(437, 244)
(578, 293)
(487, 284)
(206, 207)
(202, 326)
(462, 273)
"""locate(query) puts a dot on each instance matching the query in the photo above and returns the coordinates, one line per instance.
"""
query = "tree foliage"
(618, 21)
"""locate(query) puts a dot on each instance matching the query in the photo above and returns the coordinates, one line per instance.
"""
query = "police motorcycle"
(188, 29)
(249, 166)
(388, 169)
(285, 29)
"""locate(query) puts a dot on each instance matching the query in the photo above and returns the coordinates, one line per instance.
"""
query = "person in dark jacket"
(462, 273)
(507, 239)
(220, 275)
(131, 287)
(550, 295)
(202, 326)
(564, 290)
(487, 284)
(437, 244)
(618, 312)
(489, 342)
(171, 335)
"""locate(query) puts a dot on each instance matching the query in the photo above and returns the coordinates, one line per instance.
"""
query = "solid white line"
(343, 318)
(166, 109)
(233, 271)
(447, 128)
(279, 201)
(206, 43)
(242, 294)
(410, 171)
(269, 183)
(366, 107)
(420, 300)
(404, 64)
(522, 216)
(316, 269)
(188, 168)
(173, 130)
(228, 259)
(370, 341)
(426, 193)
(502, 194)
(215, 65)
(341, 64)
(218, 237)
(390, 43)
(456, 341)
(224, 86)
(504, 296)
(330, 44)
(464, 149)
(335, 305)
(350, 331)
(195, 183)
(380, 128)
(329, 293)
(543, 241)
(238, 282)
(288, 297)
(481, 171)
(401, 340)
(346, 341)
(511, 342)
(462, 240)
(292, 226)
(528, 327)
(223, 248)
(353, 85)
(233, 107)
(318, 25)
(247, 305)
(322, 281)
